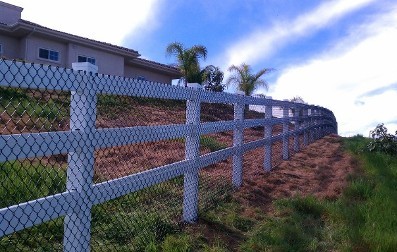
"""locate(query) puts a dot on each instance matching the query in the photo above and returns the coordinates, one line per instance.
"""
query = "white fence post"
(319, 121)
(192, 148)
(312, 123)
(285, 132)
(237, 143)
(296, 128)
(268, 137)
(305, 125)
(80, 172)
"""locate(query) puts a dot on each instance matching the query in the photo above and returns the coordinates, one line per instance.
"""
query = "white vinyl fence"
(81, 141)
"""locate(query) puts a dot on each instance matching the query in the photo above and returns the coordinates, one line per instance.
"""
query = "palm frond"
(245, 80)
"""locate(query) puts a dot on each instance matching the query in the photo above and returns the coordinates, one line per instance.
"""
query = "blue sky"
(339, 54)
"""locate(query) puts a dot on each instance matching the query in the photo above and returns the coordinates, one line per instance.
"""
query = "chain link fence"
(106, 163)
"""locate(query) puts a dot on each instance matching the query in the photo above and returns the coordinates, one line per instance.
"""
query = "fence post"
(192, 148)
(285, 131)
(316, 129)
(313, 123)
(268, 137)
(296, 128)
(305, 126)
(309, 125)
(321, 123)
(237, 143)
(80, 172)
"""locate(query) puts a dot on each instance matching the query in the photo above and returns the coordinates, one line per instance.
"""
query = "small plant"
(211, 143)
(382, 141)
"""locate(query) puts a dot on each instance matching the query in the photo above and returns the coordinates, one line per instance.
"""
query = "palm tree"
(188, 60)
(245, 80)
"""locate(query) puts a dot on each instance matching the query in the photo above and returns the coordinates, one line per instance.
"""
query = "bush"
(382, 141)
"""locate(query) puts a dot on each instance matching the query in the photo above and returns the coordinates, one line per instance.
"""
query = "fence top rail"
(38, 76)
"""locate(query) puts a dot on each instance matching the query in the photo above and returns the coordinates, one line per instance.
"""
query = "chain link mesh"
(105, 163)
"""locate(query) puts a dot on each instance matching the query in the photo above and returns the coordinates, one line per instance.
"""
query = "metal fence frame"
(81, 194)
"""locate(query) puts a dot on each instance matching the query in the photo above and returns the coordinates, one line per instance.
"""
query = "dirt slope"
(320, 169)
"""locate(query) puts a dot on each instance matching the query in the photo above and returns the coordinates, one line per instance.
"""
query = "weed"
(211, 143)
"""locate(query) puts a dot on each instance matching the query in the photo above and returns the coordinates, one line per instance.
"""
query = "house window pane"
(54, 55)
(43, 53)
(48, 54)
(91, 60)
(81, 59)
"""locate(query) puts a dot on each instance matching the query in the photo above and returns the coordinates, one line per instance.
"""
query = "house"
(24, 40)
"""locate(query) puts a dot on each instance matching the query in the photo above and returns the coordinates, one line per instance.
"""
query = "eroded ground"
(320, 169)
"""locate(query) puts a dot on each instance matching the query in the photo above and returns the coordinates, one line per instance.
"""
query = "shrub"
(382, 141)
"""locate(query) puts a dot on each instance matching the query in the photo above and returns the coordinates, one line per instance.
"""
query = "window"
(81, 58)
(48, 54)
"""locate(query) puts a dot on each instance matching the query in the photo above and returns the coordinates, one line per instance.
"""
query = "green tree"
(245, 80)
(213, 77)
(188, 60)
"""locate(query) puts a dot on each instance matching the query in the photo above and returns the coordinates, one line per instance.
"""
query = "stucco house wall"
(137, 72)
(33, 43)
(107, 63)
(11, 47)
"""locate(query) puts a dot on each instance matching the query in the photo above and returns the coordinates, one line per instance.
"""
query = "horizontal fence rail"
(82, 141)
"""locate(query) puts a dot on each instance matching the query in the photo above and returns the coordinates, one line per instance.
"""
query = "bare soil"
(320, 170)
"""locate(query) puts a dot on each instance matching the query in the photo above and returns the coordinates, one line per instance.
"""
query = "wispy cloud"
(356, 79)
(379, 91)
(263, 42)
(108, 21)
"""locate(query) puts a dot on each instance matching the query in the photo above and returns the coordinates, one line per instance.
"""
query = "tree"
(382, 141)
(188, 60)
(213, 77)
(245, 80)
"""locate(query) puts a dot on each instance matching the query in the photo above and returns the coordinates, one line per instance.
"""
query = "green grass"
(300, 225)
(363, 219)
(378, 207)
(23, 181)
(147, 220)
(211, 143)
(44, 109)
(228, 215)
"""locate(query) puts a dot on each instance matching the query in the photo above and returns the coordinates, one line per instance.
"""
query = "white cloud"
(339, 78)
(107, 21)
(265, 41)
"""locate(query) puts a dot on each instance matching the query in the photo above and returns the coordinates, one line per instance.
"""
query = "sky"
(338, 54)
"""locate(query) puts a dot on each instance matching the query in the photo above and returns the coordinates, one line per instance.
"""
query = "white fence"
(84, 138)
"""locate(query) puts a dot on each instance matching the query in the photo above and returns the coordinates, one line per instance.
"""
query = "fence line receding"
(89, 161)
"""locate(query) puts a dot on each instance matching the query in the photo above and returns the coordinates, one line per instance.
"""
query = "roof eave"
(172, 71)
(76, 39)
